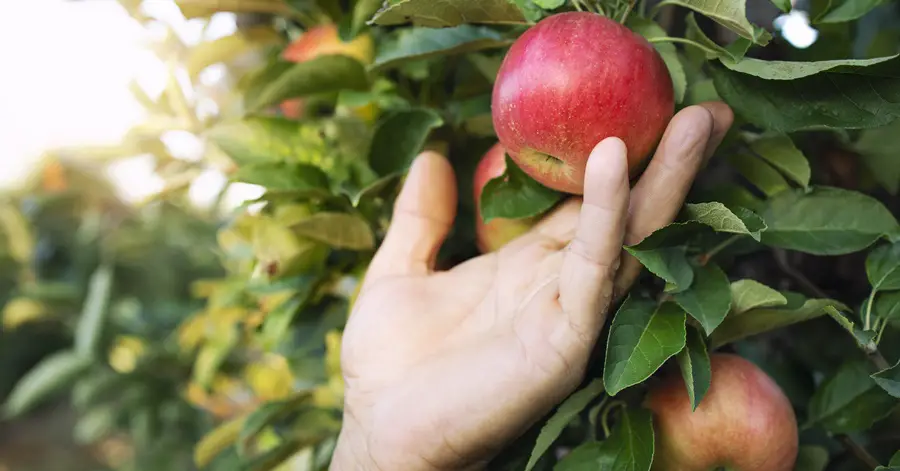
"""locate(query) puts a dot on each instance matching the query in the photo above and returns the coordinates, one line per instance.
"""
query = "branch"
(800, 278)
(858, 451)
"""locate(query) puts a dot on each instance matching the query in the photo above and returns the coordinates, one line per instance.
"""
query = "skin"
(744, 423)
(444, 368)
(571, 81)
(498, 232)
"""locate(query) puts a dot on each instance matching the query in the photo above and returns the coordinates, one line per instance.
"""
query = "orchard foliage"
(787, 252)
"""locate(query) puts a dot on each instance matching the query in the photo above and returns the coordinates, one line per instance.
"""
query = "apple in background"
(571, 81)
(745, 422)
(318, 41)
(498, 231)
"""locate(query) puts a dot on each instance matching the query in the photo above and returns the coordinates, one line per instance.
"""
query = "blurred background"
(114, 266)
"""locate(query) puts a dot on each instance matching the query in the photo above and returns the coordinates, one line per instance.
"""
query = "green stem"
(880, 331)
(628, 11)
(604, 417)
(869, 309)
(706, 257)
(670, 39)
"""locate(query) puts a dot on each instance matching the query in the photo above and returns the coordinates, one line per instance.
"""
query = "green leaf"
(549, 4)
(339, 230)
(825, 221)
(324, 74)
(780, 151)
(849, 400)
(94, 311)
(642, 337)
(669, 263)
(750, 294)
(421, 43)
(399, 138)
(733, 52)
(271, 140)
(889, 380)
(793, 70)
(531, 12)
(695, 367)
(864, 338)
(878, 150)
(97, 423)
(371, 189)
(758, 172)
(229, 48)
(515, 195)
(887, 305)
(757, 321)
(895, 460)
(444, 13)
(721, 219)
(823, 101)
(811, 458)
(708, 300)
(883, 267)
(783, 5)
(728, 13)
(630, 447)
(277, 322)
(52, 374)
(564, 414)
(266, 414)
(848, 10)
(649, 29)
(363, 11)
(300, 179)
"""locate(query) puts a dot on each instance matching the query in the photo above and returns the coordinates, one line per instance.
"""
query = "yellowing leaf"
(271, 379)
(18, 234)
(228, 48)
(18, 311)
(124, 355)
(216, 441)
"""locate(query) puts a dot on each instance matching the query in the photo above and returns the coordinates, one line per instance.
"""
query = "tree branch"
(858, 451)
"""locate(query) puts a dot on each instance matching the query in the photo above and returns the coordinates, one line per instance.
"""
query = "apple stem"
(670, 39)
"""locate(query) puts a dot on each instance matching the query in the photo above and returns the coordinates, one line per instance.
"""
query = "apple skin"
(319, 41)
(571, 81)
(499, 231)
(744, 423)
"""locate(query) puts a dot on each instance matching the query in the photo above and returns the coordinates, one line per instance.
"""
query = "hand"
(443, 369)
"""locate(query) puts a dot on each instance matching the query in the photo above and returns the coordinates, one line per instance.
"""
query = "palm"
(428, 351)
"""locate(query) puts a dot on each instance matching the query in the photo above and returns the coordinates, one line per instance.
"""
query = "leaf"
(848, 10)
(630, 447)
(750, 294)
(228, 48)
(444, 13)
(550, 4)
(734, 52)
(889, 380)
(272, 140)
(878, 150)
(895, 460)
(95, 424)
(216, 441)
(531, 12)
(849, 400)
(265, 415)
(18, 237)
(695, 367)
(781, 152)
(642, 337)
(822, 101)
(669, 263)
(370, 190)
(721, 219)
(758, 172)
(51, 375)
(883, 267)
(515, 195)
(421, 43)
(323, 74)
(793, 70)
(649, 29)
(339, 230)
(277, 322)
(811, 458)
(299, 179)
(887, 305)
(728, 13)
(567, 411)
(399, 138)
(93, 312)
(757, 321)
(200, 8)
(783, 5)
(825, 221)
(864, 338)
(708, 300)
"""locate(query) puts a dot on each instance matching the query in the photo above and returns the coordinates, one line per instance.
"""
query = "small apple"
(571, 81)
(744, 423)
(498, 231)
(319, 41)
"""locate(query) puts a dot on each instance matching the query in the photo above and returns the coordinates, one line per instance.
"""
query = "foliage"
(786, 253)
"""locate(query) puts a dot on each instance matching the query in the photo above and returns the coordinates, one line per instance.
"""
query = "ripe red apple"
(744, 423)
(498, 231)
(571, 81)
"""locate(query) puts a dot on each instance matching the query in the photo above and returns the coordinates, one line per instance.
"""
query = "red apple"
(498, 232)
(571, 81)
(744, 423)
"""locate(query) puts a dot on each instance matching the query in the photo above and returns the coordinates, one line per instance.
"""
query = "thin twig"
(858, 451)
(800, 278)
(704, 258)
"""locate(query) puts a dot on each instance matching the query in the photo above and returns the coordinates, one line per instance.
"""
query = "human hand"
(442, 369)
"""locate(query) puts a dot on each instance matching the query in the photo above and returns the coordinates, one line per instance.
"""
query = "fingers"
(692, 135)
(423, 214)
(585, 284)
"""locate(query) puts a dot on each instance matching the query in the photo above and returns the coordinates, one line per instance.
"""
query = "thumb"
(423, 215)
